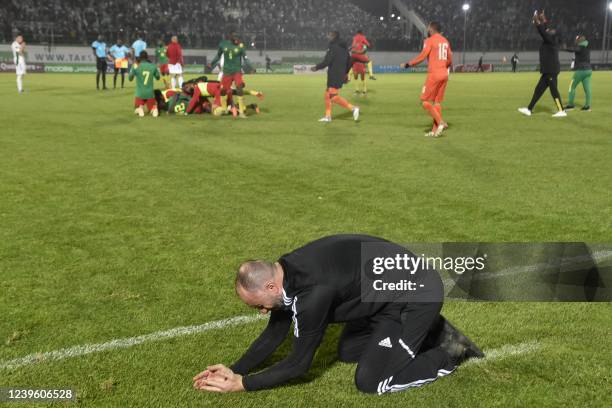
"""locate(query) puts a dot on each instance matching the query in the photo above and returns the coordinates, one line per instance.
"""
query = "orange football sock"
(438, 108)
(433, 112)
(342, 102)
(328, 104)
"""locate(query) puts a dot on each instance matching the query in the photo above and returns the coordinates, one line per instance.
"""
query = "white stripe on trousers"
(384, 386)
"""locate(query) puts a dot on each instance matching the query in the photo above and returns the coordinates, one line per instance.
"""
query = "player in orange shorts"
(438, 52)
(338, 63)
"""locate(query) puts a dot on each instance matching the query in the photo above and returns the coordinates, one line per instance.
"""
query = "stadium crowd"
(287, 24)
(507, 25)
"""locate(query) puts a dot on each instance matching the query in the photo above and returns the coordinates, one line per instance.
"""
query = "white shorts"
(20, 68)
(175, 69)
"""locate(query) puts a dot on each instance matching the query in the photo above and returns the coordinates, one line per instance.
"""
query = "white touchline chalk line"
(506, 351)
(597, 256)
(125, 342)
(76, 351)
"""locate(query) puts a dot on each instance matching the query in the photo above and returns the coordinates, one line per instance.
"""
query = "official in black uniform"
(549, 66)
(480, 66)
(396, 345)
(338, 63)
(514, 61)
(268, 64)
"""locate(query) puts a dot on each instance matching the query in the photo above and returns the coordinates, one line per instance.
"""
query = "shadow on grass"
(325, 358)
(344, 115)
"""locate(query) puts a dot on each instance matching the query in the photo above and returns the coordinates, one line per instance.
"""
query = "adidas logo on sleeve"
(385, 343)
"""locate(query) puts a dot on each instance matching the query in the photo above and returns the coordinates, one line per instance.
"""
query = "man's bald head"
(260, 284)
(253, 275)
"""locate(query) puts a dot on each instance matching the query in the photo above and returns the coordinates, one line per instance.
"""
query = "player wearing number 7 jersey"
(438, 52)
(145, 73)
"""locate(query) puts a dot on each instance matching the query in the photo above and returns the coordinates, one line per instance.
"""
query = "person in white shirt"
(18, 47)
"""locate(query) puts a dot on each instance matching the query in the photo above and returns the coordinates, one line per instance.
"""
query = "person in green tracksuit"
(145, 73)
(583, 73)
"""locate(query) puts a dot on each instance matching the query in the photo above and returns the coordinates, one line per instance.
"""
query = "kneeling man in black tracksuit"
(396, 344)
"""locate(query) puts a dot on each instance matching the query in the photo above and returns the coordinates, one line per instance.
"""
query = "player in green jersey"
(234, 54)
(145, 73)
(162, 61)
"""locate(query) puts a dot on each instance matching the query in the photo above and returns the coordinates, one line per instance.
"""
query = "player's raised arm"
(542, 26)
(215, 60)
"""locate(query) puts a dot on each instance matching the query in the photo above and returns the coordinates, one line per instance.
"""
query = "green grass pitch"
(113, 226)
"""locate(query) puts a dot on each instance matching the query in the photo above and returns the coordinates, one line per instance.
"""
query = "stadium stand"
(284, 24)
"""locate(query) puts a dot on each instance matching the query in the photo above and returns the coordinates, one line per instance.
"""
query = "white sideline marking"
(597, 256)
(506, 351)
(76, 351)
(125, 342)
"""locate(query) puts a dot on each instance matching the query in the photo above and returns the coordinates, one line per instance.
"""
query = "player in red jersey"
(438, 52)
(359, 50)
(202, 90)
(174, 52)
(359, 74)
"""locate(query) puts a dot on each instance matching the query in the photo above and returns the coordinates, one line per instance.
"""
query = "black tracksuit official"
(549, 66)
(514, 60)
(338, 63)
(393, 343)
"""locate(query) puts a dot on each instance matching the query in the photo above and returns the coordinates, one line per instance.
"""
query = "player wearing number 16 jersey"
(438, 52)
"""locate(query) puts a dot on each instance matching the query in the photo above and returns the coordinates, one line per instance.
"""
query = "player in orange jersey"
(438, 52)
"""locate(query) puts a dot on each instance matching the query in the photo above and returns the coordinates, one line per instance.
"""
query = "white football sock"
(19, 83)
(180, 78)
(173, 81)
